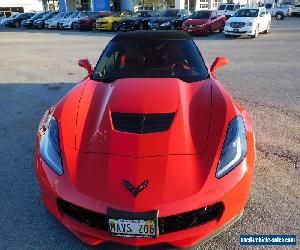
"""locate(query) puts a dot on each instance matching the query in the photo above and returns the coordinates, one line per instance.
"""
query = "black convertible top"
(153, 35)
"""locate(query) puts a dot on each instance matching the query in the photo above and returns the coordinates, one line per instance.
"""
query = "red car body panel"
(180, 163)
(209, 25)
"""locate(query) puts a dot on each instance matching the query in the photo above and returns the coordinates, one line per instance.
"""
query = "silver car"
(68, 23)
(53, 22)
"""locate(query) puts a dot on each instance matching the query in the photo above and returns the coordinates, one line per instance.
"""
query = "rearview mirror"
(219, 62)
(262, 14)
(85, 63)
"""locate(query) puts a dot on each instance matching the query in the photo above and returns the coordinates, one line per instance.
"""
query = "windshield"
(230, 7)
(83, 14)
(201, 15)
(246, 13)
(222, 7)
(36, 16)
(268, 6)
(140, 14)
(61, 14)
(170, 13)
(150, 59)
(74, 14)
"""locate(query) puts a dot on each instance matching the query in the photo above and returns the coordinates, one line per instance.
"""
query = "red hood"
(176, 172)
(195, 21)
(191, 103)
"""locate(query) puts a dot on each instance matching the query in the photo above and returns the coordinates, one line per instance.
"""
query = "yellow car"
(111, 22)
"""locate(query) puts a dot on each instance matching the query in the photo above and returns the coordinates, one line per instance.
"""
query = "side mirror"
(262, 14)
(219, 62)
(85, 63)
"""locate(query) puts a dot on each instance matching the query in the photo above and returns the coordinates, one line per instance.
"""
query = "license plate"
(189, 30)
(133, 228)
(132, 224)
(236, 30)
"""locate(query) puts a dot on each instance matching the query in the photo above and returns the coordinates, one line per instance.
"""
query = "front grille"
(154, 25)
(142, 123)
(85, 216)
(191, 219)
(237, 25)
(166, 225)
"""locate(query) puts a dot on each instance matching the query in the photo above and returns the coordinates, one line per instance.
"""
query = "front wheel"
(140, 26)
(268, 28)
(94, 26)
(115, 26)
(76, 26)
(222, 28)
(17, 25)
(172, 27)
(256, 33)
(279, 16)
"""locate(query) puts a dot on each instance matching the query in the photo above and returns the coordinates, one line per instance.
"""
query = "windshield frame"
(249, 10)
(195, 14)
(103, 79)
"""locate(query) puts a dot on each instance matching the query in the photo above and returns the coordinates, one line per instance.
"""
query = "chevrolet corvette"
(148, 149)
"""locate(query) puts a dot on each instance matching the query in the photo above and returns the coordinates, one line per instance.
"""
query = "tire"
(222, 28)
(76, 26)
(172, 27)
(209, 32)
(268, 28)
(256, 33)
(279, 16)
(94, 26)
(115, 26)
(17, 25)
(140, 26)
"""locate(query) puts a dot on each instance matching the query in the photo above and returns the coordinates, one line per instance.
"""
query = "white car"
(296, 10)
(53, 22)
(248, 22)
(68, 22)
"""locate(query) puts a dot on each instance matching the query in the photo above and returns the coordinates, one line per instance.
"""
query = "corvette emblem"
(135, 190)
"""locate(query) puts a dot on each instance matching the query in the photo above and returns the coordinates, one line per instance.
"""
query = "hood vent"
(142, 123)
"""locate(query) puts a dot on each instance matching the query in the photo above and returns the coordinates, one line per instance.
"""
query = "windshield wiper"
(105, 79)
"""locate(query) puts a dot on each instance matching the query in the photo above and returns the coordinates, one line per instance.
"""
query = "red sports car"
(204, 22)
(148, 149)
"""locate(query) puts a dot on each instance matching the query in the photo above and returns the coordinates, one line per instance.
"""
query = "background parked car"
(112, 22)
(204, 22)
(138, 21)
(67, 22)
(40, 23)
(3, 20)
(28, 23)
(70, 22)
(248, 21)
(16, 20)
(170, 19)
(229, 9)
(296, 10)
(88, 22)
(278, 12)
(52, 23)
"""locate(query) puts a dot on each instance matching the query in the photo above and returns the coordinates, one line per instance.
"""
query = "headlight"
(234, 147)
(249, 23)
(227, 23)
(165, 24)
(50, 147)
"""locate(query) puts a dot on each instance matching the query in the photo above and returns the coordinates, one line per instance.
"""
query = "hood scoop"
(142, 123)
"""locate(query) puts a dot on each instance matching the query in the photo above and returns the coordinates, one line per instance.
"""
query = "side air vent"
(142, 123)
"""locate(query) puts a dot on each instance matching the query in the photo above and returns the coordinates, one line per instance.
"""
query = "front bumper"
(233, 198)
(67, 26)
(244, 31)
(103, 26)
(203, 30)
(50, 25)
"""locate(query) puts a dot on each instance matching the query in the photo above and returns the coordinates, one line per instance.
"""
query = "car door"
(263, 19)
(220, 21)
(213, 21)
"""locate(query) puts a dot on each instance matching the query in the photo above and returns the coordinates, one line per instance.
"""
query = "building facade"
(21, 5)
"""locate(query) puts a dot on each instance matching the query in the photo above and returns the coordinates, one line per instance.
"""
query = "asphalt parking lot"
(39, 67)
